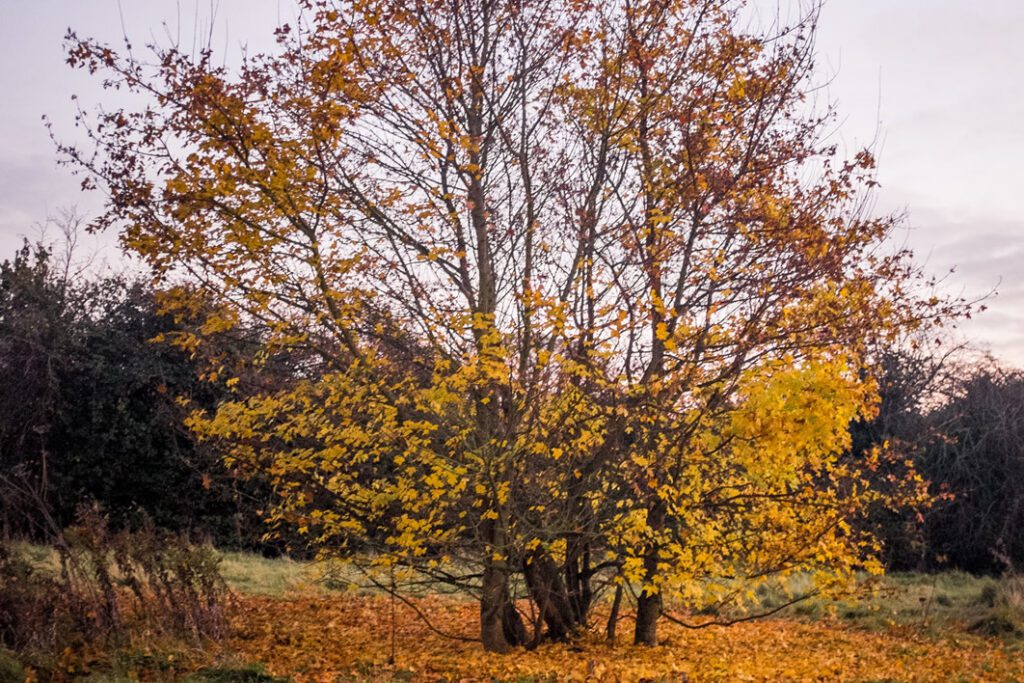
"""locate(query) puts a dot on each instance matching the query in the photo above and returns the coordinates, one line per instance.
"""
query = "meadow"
(295, 621)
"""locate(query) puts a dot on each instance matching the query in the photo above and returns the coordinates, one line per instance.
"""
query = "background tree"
(38, 315)
(915, 377)
(584, 295)
(980, 461)
(90, 411)
(956, 418)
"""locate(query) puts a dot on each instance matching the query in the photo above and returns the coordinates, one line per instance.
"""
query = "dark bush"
(980, 460)
(91, 410)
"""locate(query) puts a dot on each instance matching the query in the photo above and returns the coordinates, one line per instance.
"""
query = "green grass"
(928, 603)
(42, 557)
(11, 670)
(244, 572)
(951, 599)
(127, 668)
(256, 575)
(252, 673)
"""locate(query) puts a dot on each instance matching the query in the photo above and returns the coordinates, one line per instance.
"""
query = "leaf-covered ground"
(348, 637)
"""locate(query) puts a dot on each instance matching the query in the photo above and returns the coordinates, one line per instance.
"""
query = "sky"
(936, 85)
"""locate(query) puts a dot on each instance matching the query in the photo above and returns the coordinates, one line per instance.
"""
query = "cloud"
(983, 255)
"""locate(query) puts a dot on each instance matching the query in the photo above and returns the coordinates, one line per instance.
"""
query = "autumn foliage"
(586, 299)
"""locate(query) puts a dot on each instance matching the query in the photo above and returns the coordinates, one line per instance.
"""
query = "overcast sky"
(940, 82)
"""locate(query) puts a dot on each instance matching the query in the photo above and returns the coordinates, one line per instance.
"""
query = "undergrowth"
(101, 593)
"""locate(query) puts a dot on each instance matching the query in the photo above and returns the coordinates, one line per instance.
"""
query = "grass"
(927, 601)
(948, 599)
(10, 668)
(42, 557)
(252, 673)
(940, 608)
(256, 575)
(245, 573)
(902, 598)
(250, 574)
(347, 637)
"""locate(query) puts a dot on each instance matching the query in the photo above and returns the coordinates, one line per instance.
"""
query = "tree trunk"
(613, 617)
(501, 628)
(648, 610)
(648, 606)
(493, 598)
(512, 623)
(577, 581)
(549, 592)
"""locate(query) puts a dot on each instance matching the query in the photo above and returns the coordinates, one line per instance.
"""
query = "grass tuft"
(11, 670)
(1001, 622)
(255, 575)
(253, 673)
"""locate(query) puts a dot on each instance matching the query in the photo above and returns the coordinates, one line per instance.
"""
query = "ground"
(289, 623)
(349, 638)
(913, 627)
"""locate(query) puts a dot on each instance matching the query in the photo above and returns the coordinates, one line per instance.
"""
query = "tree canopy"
(583, 291)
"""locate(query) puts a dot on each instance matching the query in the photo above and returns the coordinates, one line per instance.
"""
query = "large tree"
(587, 291)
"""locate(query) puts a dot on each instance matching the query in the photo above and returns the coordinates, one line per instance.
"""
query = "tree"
(90, 410)
(587, 292)
(38, 315)
(914, 379)
(980, 461)
(956, 419)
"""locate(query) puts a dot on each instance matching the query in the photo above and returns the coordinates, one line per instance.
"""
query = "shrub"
(109, 589)
(11, 670)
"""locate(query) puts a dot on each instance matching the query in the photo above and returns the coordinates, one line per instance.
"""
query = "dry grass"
(255, 575)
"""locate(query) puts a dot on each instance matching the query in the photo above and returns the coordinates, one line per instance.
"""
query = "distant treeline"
(93, 400)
